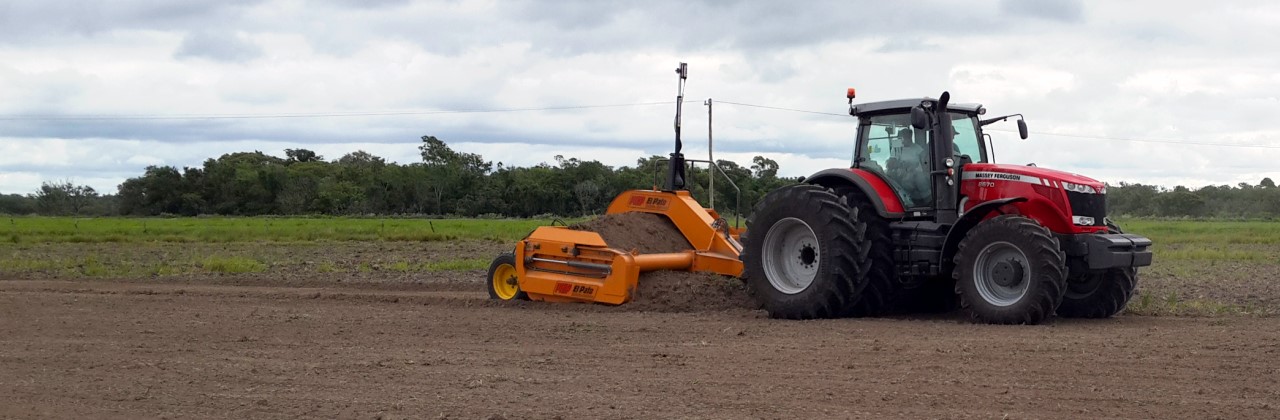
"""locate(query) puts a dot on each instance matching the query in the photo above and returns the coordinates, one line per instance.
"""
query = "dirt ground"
(362, 330)
(101, 348)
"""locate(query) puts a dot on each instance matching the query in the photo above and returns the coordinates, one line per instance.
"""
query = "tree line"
(1242, 201)
(445, 183)
(451, 183)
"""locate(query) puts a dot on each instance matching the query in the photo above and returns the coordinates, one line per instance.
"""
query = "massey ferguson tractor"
(922, 217)
(923, 208)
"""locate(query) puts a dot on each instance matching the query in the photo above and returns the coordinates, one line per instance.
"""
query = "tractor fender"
(970, 219)
(881, 195)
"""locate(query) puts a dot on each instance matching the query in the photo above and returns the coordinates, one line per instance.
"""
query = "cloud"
(50, 21)
(1000, 82)
(219, 46)
(371, 4)
(1070, 11)
(1117, 70)
(906, 44)
(18, 182)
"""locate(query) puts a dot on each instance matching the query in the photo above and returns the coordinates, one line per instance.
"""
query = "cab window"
(966, 137)
(899, 153)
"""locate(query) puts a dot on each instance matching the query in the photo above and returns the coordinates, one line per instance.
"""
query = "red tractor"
(924, 214)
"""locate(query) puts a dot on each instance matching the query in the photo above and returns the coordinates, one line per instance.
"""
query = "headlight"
(1082, 220)
(1080, 188)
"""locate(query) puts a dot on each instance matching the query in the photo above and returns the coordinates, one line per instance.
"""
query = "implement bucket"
(559, 264)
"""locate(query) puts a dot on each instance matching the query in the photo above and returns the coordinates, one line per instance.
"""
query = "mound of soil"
(683, 291)
(666, 291)
(645, 233)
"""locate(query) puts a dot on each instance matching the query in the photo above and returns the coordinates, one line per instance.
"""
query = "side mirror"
(1022, 128)
(920, 118)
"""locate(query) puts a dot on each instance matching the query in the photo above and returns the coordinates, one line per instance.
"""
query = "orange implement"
(559, 264)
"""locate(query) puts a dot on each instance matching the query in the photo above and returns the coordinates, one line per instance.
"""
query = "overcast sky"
(1127, 81)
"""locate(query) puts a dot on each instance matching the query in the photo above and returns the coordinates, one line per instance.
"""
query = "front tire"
(1099, 294)
(806, 254)
(1009, 270)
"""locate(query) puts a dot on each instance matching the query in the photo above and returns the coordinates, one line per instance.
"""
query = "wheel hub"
(1001, 274)
(1007, 273)
(1080, 287)
(505, 283)
(808, 256)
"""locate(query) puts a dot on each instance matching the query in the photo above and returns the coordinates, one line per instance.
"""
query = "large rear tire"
(1009, 270)
(1099, 294)
(806, 253)
(883, 287)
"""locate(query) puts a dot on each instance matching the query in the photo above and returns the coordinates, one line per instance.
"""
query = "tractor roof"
(905, 105)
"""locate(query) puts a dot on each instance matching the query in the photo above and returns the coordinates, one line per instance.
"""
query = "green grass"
(233, 265)
(1214, 253)
(34, 229)
(1209, 241)
(327, 267)
(1201, 268)
(1171, 232)
(109, 266)
(457, 265)
(26, 265)
(18, 230)
(90, 265)
(1207, 268)
(1172, 304)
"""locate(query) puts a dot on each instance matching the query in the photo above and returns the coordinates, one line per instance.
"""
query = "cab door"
(891, 148)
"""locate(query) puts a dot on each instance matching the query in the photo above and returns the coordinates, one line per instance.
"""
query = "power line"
(107, 117)
(305, 115)
(1189, 143)
(781, 109)
(1079, 136)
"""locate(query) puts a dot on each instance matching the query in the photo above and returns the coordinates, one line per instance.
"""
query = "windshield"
(901, 154)
(884, 133)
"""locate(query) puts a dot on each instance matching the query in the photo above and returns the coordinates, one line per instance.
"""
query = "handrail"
(737, 213)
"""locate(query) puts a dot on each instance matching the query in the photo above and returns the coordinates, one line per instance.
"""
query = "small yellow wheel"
(503, 284)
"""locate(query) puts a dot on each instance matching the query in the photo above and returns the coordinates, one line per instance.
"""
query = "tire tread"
(1110, 298)
(1048, 270)
(845, 248)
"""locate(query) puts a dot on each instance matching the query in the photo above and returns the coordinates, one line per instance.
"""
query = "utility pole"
(711, 182)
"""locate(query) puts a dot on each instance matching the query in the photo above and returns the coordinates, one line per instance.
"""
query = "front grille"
(1092, 205)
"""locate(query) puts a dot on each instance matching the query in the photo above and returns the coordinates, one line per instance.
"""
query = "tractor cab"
(903, 155)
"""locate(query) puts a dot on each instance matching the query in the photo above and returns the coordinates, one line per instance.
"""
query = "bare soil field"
(369, 330)
(102, 349)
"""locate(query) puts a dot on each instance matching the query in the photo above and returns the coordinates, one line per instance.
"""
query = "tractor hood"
(1047, 176)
